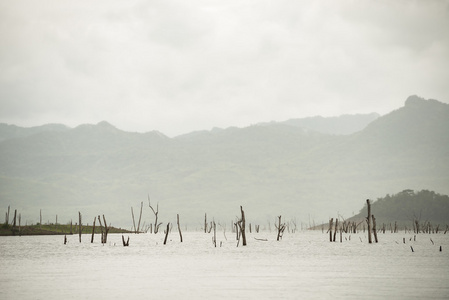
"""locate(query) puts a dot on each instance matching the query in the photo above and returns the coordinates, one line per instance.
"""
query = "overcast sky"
(180, 66)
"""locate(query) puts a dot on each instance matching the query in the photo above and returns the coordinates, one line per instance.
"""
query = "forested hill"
(407, 206)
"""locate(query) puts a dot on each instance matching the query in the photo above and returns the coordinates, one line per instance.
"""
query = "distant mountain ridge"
(269, 168)
(345, 124)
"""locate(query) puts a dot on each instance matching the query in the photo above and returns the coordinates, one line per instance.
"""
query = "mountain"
(342, 125)
(13, 131)
(270, 168)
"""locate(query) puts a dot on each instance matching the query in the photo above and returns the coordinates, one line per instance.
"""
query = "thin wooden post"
(331, 221)
(80, 226)
(134, 223)
(179, 227)
(14, 221)
(140, 217)
(20, 230)
(215, 234)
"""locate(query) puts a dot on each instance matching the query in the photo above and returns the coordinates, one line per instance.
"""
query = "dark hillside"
(407, 206)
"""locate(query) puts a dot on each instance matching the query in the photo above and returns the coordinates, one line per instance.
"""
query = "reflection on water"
(303, 265)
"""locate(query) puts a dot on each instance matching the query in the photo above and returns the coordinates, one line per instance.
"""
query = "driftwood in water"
(166, 233)
(179, 227)
(263, 240)
(368, 220)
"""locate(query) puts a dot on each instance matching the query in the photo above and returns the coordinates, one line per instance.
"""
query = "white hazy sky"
(179, 66)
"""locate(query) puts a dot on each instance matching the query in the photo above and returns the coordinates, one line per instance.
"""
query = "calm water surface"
(303, 265)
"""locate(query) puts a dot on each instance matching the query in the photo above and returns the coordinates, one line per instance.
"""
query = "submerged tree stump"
(166, 233)
(79, 227)
(125, 244)
(368, 220)
(374, 228)
(331, 221)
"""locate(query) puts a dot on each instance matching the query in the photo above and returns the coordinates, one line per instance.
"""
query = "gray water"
(304, 265)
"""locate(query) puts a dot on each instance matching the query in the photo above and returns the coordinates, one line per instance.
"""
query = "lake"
(304, 265)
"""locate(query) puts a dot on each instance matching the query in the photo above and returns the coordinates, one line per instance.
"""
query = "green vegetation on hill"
(52, 229)
(407, 206)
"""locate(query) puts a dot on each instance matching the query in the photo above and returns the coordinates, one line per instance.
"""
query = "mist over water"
(303, 265)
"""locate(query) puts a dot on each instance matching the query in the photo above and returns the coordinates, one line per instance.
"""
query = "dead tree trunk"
(20, 230)
(179, 227)
(155, 212)
(166, 233)
(14, 220)
(214, 239)
(280, 227)
(368, 220)
(40, 217)
(331, 221)
(101, 229)
(335, 228)
(125, 244)
(374, 228)
(106, 230)
(93, 231)
(79, 227)
(7, 217)
(140, 217)
(134, 222)
(205, 223)
(242, 227)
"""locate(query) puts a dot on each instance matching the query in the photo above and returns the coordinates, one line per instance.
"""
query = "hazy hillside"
(346, 124)
(270, 169)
